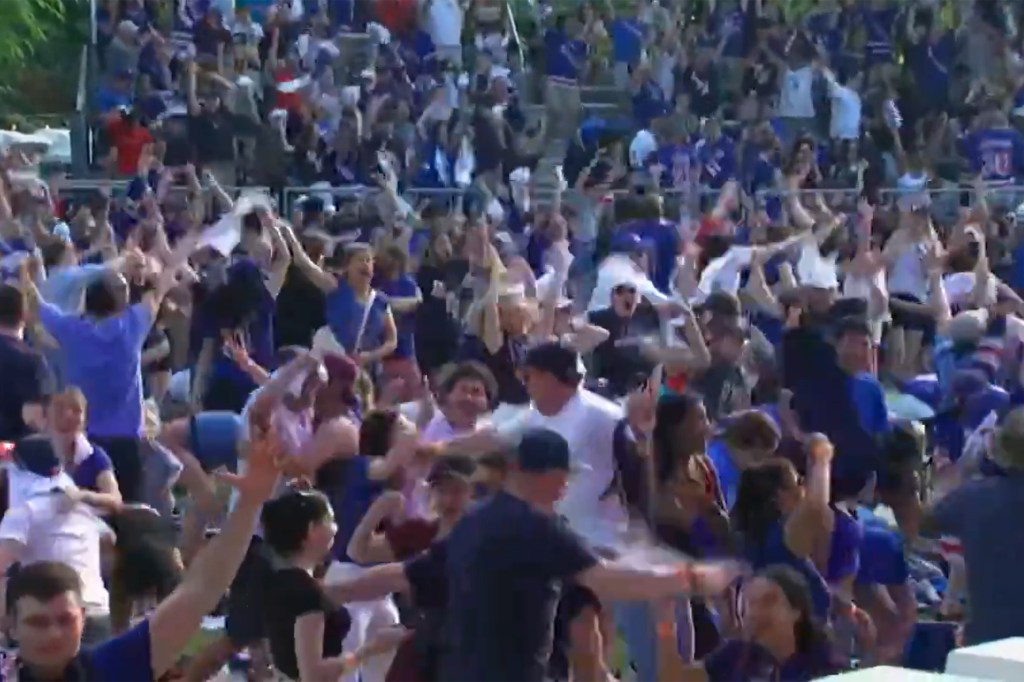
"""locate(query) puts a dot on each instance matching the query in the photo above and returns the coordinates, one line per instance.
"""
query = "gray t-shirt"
(985, 514)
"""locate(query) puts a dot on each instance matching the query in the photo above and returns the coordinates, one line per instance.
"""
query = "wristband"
(666, 629)
(350, 662)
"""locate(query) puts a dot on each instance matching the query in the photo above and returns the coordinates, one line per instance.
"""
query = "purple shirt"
(102, 358)
(87, 469)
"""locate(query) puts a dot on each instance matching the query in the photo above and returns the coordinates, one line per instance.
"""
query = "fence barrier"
(946, 202)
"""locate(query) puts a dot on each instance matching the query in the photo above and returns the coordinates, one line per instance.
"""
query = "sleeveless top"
(345, 317)
(347, 484)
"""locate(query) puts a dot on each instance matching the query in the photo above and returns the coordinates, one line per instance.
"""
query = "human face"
(790, 492)
(468, 398)
(624, 299)
(67, 415)
(321, 536)
(549, 487)
(49, 633)
(360, 265)
(515, 318)
(450, 497)
(696, 428)
(855, 351)
(539, 384)
(765, 609)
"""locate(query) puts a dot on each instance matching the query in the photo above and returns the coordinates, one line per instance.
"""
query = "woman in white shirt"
(907, 255)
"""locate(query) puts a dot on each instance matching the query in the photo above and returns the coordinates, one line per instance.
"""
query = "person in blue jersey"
(565, 57)
(662, 235)
(359, 319)
(717, 156)
(404, 297)
(628, 36)
(930, 56)
(879, 17)
(44, 599)
(781, 638)
(677, 162)
(827, 23)
(745, 439)
(995, 149)
(779, 519)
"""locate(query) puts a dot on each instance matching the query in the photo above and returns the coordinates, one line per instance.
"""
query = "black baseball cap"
(35, 454)
(543, 450)
(557, 360)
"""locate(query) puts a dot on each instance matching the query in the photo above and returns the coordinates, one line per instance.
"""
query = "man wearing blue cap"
(503, 568)
(588, 423)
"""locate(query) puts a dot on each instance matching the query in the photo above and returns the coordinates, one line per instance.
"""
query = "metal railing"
(946, 202)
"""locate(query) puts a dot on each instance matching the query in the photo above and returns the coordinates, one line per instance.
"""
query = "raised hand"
(265, 462)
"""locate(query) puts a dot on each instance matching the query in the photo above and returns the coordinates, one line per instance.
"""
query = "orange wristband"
(350, 662)
(666, 630)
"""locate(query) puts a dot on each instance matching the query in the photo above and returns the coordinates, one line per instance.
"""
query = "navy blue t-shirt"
(506, 566)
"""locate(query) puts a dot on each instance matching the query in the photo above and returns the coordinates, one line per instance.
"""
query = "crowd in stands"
(737, 395)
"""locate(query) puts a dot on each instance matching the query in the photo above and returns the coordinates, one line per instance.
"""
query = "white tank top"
(908, 276)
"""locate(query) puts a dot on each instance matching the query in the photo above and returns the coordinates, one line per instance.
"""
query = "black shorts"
(921, 322)
(245, 612)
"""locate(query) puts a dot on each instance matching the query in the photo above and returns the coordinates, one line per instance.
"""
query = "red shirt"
(290, 101)
(408, 539)
(398, 16)
(129, 140)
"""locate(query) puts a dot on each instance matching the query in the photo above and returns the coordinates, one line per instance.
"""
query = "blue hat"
(626, 242)
(542, 450)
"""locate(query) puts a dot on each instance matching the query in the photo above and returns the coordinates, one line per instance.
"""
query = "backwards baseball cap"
(542, 450)
(556, 359)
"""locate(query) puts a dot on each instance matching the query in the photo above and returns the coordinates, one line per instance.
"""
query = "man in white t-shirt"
(443, 20)
(47, 526)
(586, 421)
(591, 504)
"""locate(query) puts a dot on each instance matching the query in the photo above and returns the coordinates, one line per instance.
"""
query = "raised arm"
(176, 619)
(322, 280)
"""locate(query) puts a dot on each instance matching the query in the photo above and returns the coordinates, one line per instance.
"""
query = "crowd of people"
(742, 401)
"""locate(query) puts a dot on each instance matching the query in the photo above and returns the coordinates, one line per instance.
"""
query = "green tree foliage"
(40, 46)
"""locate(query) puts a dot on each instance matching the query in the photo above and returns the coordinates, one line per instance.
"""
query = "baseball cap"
(542, 450)
(626, 242)
(556, 359)
(35, 454)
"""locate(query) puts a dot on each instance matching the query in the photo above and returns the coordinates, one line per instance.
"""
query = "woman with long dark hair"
(305, 628)
(688, 510)
(780, 638)
(777, 522)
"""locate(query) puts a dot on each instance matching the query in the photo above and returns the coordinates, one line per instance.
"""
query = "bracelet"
(666, 629)
(349, 662)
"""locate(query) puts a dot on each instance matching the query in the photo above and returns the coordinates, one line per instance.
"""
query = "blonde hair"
(71, 394)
